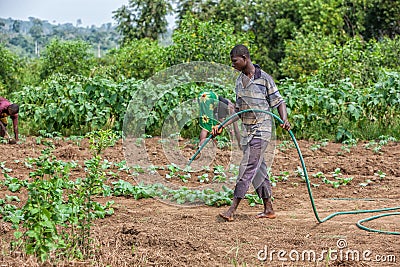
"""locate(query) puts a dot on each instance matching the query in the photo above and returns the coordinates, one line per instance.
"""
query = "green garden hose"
(359, 223)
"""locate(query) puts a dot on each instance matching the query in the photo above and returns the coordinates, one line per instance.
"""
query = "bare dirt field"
(149, 232)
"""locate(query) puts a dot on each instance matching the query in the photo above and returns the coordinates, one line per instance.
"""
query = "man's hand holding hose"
(286, 125)
(217, 130)
(283, 114)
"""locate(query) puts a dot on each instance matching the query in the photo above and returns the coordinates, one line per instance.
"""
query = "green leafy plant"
(14, 184)
(4, 168)
(203, 178)
(44, 208)
(348, 144)
(173, 170)
(337, 175)
(223, 141)
(58, 213)
(285, 145)
(219, 174)
(318, 145)
(283, 177)
(253, 199)
(299, 172)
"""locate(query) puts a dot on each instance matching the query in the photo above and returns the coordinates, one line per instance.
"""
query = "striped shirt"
(257, 92)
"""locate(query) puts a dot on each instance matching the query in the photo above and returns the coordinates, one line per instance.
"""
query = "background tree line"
(28, 38)
(345, 47)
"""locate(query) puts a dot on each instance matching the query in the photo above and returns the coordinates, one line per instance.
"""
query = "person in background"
(7, 109)
(213, 110)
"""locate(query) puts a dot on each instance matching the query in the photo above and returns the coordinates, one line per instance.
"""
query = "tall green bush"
(330, 61)
(66, 57)
(360, 61)
(209, 41)
(138, 59)
(304, 54)
(9, 71)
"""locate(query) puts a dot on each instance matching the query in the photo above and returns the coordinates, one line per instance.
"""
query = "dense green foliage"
(138, 59)
(9, 69)
(66, 57)
(360, 61)
(318, 110)
(143, 58)
(275, 22)
(75, 105)
(334, 64)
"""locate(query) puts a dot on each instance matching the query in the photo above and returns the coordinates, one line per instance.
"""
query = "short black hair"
(13, 109)
(240, 50)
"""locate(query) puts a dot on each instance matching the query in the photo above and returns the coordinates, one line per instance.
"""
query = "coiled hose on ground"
(359, 223)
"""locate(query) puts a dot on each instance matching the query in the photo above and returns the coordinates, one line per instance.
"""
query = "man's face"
(238, 62)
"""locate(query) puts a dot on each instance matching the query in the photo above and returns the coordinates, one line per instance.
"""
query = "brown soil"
(149, 232)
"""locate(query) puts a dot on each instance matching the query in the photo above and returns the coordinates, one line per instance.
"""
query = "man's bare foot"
(227, 217)
(269, 215)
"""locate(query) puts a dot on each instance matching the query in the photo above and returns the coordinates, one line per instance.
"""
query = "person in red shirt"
(7, 109)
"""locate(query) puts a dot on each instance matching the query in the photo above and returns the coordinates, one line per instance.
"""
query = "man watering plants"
(7, 109)
(255, 89)
(213, 110)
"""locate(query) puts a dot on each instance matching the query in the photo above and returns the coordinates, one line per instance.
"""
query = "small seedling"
(153, 169)
(219, 174)
(203, 178)
(137, 169)
(285, 145)
(380, 174)
(122, 166)
(280, 178)
(323, 143)
(299, 172)
(185, 177)
(367, 182)
(319, 175)
(376, 146)
(3, 167)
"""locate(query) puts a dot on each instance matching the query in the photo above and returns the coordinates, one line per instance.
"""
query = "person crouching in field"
(7, 109)
(213, 110)
(255, 89)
